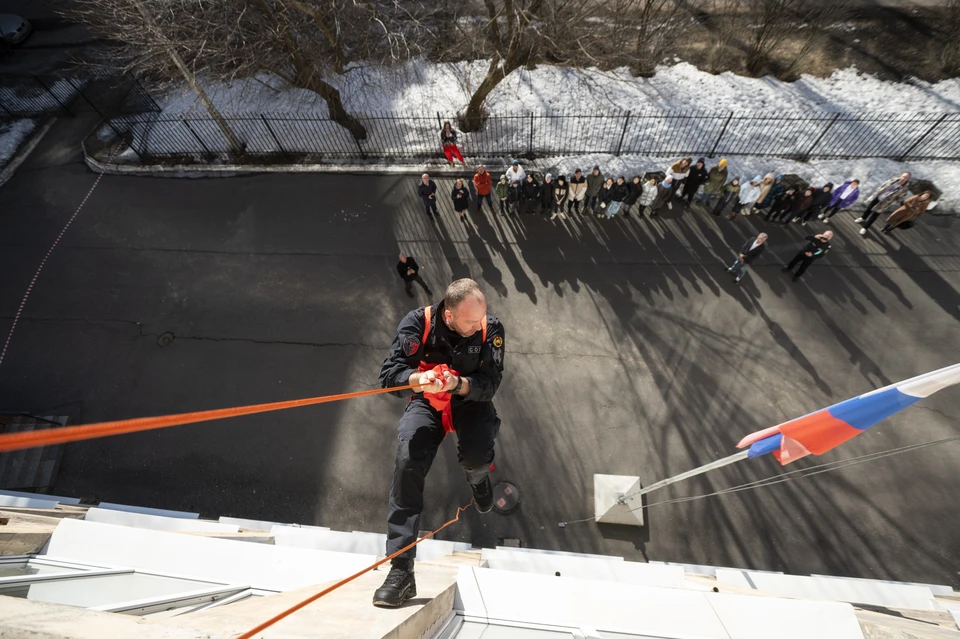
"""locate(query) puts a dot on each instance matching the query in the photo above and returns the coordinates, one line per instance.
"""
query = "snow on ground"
(421, 87)
(12, 134)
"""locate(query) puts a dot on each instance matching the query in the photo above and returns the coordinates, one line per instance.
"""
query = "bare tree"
(813, 17)
(950, 52)
(518, 33)
(770, 21)
(304, 42)
(725, 24)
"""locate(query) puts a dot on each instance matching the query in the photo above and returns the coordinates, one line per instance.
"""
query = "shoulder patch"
(411, 344)
(498, 342)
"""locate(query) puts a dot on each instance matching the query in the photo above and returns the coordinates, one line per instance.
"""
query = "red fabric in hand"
(440, 401)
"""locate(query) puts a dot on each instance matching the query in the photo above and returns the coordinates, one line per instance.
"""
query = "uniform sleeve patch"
(411, 344)
(498, 342)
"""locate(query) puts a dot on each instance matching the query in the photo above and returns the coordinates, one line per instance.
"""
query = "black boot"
(483, 495)
(399, 585)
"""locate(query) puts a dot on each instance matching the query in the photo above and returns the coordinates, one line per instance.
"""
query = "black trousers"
(429, 205)
(803, 259)
(870, 216)
(420, 435)
(481, 198)
(408, 285)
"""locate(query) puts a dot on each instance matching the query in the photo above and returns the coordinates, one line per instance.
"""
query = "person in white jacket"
(647, 195)
(516, 173)
(749, 193)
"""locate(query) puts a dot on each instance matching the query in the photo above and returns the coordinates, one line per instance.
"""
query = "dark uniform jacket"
(530, 190)
(403, 266)
(426, 190)
(817, 246)
(479, 362)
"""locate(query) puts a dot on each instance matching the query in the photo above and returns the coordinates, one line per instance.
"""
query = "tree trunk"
(330, 95)
(473, 118)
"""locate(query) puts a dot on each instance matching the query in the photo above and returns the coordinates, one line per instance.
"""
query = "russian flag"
(827, 428)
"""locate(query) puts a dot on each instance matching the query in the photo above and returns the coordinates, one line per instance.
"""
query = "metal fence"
(106, 95)
(299, 137)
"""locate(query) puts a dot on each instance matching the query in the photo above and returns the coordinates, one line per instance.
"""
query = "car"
(13, 28)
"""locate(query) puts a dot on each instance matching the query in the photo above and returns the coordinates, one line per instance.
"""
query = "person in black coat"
(634, 191)
(815, 248)
(461, 199)
(751, 250)
(530, 194)
(698, 175)
(781, 205)
(427, 190)
(409, 271)
(546, 193)
(821, 199)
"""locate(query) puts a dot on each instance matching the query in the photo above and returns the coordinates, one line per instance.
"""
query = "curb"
(230, 170)
(25, 150)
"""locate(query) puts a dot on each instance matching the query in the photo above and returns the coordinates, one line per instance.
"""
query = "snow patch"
(12, 135)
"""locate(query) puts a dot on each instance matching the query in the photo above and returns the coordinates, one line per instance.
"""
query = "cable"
(30, 439)
(785, 477)
(309, 600)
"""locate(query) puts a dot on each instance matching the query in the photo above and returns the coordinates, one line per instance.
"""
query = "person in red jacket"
(482, 183)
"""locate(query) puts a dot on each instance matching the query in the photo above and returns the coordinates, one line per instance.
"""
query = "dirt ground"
(891, 42)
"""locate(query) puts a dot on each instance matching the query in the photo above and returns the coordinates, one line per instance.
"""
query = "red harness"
(441, 401)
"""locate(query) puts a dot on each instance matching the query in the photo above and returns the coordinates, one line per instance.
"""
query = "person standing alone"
(453, 353)
(751, 250)
(815, 248)
(409, 270)
(427, 190)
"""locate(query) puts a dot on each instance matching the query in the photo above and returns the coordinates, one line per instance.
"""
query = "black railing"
(106, 95)
(302, 137)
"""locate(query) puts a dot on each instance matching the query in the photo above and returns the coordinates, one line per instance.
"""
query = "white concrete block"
(251, 524)
(607, 490)
(153, 522)
(13, 501)
(746, 617)
(353, 542)
(936, 589)
(73, 501)
(160, 512)
(627, 572)
(561, 553)
(261, 566)
(864, 591)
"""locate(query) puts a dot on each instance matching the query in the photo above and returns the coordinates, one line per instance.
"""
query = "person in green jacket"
(594, 182)
(503, 192)
(716, 178)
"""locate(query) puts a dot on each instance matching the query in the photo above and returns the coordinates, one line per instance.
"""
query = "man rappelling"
(454, 352)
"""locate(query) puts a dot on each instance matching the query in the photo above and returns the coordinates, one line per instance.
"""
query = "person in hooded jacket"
(772, 194)
(749, 193)
(515, 198)
(766, 185)
(843, 197)
(546, 194)
(800, 205)
(729, 192)
(716, 179)
(618, 193)
(595, 182)
(679, 171)
(530, 194)
(821, 198)
(634, 191)
(560, 191)
(781, 206)
(578, 191)
(664, 193)
(503, 194)
(648, 193)
(604, 198)
(698, 175)
(461, 199)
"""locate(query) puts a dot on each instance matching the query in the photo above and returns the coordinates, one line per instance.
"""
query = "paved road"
(629, 351)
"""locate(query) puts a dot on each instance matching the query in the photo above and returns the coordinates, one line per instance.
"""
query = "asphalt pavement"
(629, 350)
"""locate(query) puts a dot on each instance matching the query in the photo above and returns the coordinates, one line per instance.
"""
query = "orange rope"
(30, 439)
(309, 600)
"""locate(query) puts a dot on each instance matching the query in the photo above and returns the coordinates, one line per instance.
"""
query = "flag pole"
(720, 463)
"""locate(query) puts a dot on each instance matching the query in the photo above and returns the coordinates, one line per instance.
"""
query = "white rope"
(800, 473)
